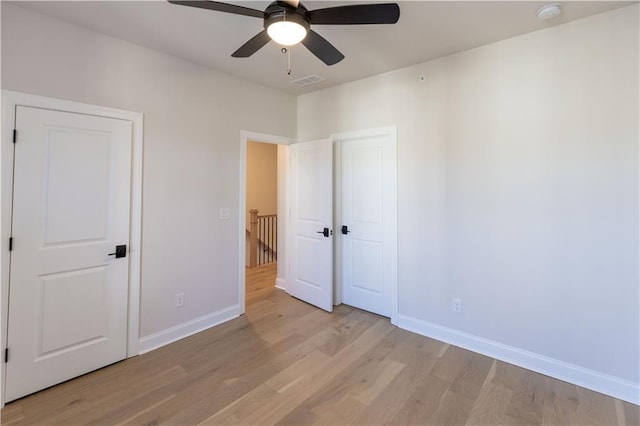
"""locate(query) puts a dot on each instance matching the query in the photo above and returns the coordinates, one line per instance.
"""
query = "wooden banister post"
(253, 238)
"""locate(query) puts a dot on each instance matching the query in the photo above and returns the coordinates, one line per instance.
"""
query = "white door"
(311, 201)
(68, 296)
(368, 228)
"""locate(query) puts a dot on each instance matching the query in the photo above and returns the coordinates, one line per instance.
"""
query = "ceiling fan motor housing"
(279, 11)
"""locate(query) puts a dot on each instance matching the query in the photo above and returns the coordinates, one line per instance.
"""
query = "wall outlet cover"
(179, 300)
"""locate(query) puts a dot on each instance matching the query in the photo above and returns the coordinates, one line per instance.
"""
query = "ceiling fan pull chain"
(284, 19)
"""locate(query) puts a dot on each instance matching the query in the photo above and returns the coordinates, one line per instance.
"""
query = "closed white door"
(68, 295)
(311, 201)
(368, 228)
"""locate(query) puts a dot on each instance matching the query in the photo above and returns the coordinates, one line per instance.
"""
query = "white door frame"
(391, 131)
(246, 136)
(12, 99)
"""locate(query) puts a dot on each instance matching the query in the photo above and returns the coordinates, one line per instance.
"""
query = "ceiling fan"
(289, 22)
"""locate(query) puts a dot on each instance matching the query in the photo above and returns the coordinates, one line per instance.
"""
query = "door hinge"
(6, 355)
(15, 135)
(10, 243)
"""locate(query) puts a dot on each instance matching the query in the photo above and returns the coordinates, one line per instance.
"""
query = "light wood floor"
(286, 362)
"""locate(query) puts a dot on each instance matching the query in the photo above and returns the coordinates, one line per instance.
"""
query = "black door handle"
(121, 251)
(345, 230)
(324, 232)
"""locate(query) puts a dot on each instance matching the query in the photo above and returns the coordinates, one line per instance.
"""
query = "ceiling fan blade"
(253, 45)
(386, 13)
(220, 7)
(320, 47)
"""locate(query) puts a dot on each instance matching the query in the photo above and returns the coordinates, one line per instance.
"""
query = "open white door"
(68, 296)
(311, 243)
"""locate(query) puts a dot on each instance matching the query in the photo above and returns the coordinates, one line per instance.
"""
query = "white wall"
(193, 117)
(517, 192)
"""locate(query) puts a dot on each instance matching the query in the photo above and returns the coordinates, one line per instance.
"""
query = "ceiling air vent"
(306, 81)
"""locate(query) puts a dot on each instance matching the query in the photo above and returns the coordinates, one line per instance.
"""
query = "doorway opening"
(262, 213)
(261, 241)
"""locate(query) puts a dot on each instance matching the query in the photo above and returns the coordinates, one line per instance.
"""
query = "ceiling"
(426, 30)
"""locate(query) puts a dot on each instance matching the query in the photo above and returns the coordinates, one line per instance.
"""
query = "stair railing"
(263, 238)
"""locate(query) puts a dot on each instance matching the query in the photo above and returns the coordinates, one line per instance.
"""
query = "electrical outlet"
(179, 300)
(456, 305)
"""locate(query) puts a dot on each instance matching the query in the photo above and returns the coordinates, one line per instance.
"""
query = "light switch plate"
(225, 213)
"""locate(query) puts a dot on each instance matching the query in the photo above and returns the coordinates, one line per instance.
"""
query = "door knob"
(345, 230)
(121, 251)
(324, 232)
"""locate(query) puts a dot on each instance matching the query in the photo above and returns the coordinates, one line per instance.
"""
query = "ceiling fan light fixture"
(286, 33)
(286, 27)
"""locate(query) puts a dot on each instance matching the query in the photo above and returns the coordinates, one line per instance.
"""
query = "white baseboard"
(281, 284)
(590, 379)
(180, 331)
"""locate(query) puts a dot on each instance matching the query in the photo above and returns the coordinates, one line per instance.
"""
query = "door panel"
(65, 323)
(368, 192)
(365, 173)
(366, 270)
(83, 217)
(312, 212)
(68, 297)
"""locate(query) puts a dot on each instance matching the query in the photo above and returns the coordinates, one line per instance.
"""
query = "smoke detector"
(549, 11)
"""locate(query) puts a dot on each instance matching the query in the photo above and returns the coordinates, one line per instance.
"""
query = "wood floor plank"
(345, 333)
(423, 402)
(347, 394)
(328, 370)
(12, 414)
(282, 381)
(527, 402)
(453, 409)
(595, 408)
(286, 362)
(278, 384)
(491, 406)
(560, 412)
(241, 408)
(246, 374)
(452, 363)
(131, 409)
(391, 405)
(338, 395)
(389, 369)
(631, 413)
(469, 381)
(560, 404)
(307, 324)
